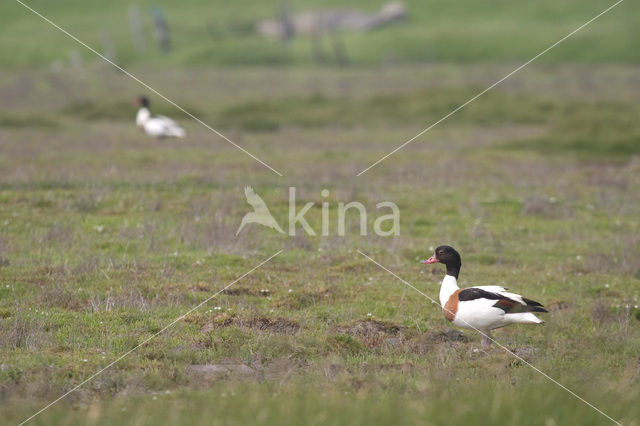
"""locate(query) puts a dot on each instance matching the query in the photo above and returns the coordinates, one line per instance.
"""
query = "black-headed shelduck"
(157, 126)
(481, 308)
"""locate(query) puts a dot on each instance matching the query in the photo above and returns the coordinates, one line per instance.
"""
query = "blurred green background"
(223, 33)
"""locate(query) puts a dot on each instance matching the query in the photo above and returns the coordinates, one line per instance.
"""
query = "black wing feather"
(507, 304)
(473, 293)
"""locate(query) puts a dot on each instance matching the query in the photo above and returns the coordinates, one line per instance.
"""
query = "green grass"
(276, 404)
(108, 236)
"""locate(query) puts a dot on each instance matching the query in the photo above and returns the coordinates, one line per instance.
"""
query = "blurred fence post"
(108, 46)
(340, 50)
(285, 22)
(135, 26)
(75, 59)
(317, 49)
(161, 29)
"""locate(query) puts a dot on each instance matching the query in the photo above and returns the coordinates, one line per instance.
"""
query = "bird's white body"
(158, 126)
(481, 314)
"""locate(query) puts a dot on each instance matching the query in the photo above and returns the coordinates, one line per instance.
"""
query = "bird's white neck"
(143, 115)
(448, 287)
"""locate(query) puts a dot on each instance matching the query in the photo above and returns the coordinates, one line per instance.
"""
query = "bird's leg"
(486, 339)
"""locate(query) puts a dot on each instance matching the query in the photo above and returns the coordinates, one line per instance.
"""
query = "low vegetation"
(108, 236)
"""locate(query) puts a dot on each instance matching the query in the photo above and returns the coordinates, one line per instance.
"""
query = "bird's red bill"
(432, 259)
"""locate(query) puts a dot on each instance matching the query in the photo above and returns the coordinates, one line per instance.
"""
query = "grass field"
(107, 236)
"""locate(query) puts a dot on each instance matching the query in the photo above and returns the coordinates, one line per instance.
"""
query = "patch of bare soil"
(200, 286)
(224, 369)
(374, 333)
(405, 367)
(426, 342)
(276, 325)
(559, 305)
(305, 298)
(526, 353)
(219, 320)
(255, 369)
(239, 291)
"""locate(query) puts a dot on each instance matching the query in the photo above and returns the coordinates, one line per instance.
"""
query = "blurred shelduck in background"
(157, 126)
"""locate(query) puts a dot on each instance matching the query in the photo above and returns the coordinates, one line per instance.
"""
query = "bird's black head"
(143, 101)
(449, 256)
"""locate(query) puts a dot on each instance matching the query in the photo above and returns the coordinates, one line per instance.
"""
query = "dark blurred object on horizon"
(161, 29)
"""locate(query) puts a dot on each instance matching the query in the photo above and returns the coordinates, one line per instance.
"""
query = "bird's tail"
(179, 132)
(534, 306)
(523, 318)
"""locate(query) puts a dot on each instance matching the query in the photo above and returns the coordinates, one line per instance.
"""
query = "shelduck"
(481, 308)
(157, 126)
